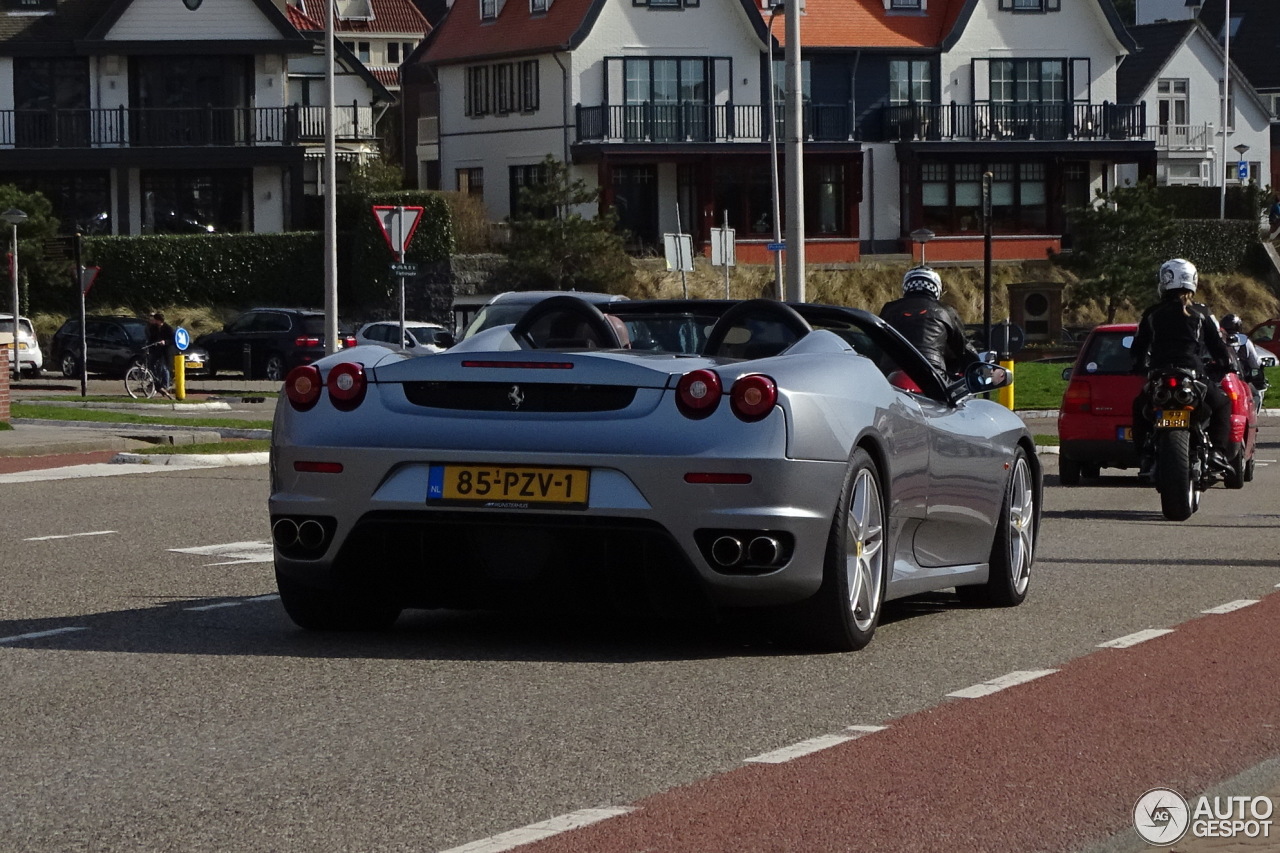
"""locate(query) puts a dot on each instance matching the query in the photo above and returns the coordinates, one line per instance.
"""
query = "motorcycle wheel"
(1175, 479)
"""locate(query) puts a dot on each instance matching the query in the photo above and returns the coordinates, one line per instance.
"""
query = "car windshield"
(500, 314)
(683, 333)
(1107, 352)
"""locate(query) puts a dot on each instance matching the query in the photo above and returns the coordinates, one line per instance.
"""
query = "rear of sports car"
(532, 478)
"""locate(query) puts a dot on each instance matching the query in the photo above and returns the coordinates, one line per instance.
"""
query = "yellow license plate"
(195, 365)
(507, 486)
(1173, 419)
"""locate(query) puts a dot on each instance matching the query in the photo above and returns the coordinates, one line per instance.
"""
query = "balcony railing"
(1181, 137)
(125, 127)
(688, 122)
(1013, 121)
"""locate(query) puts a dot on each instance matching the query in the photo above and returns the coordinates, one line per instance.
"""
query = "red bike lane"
(1055, 764)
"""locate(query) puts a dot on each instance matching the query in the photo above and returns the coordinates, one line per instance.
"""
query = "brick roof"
(389, 16)
(866, 23)
(1255, 47)
(461, 35)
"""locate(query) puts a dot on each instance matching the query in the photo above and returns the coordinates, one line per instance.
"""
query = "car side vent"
(519, 396)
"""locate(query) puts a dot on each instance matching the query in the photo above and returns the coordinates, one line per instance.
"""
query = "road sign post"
(398, 224)
(181, 340)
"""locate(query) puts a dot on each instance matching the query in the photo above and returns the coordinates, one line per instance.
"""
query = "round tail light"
(346, 385)
(753, 396)
(302, 387)
(698, 393)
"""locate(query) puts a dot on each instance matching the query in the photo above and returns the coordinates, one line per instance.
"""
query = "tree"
(1118, 244)
(375, 175)
(48, 282)
(554, 246)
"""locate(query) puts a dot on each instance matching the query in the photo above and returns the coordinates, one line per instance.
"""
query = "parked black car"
(266, 343)
(114, 343)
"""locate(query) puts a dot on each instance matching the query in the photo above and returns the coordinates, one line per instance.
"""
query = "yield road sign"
(87, 276)
(398, 224)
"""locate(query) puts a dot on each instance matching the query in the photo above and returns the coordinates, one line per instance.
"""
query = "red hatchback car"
(1095, 422)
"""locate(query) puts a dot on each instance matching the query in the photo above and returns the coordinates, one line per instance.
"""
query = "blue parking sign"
(181, 339)
(1242, 170)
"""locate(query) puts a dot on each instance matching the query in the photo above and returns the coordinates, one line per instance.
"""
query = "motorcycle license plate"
(1173, 419)
(1124, 433)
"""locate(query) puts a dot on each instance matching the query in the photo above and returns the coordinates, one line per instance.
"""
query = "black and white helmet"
(1177, 274)
(922, 280)
(1232, 323)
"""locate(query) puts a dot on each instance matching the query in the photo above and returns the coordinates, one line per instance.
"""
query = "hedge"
(242, 270)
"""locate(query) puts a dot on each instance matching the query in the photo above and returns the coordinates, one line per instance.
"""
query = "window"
(191, 202)
(910, 81)
(361, 50)
(913, 5)
(1028, 81)
(527, 176)
(393, 53)
(30, 5)
(471, 181)
(951, 197)
(665, 4)
(488, 10)
(51, 97)
(666, 99)
(1030, 5)
(537, 7)
(827, 201)
(529, 100)
(503, 87)
(477, 94)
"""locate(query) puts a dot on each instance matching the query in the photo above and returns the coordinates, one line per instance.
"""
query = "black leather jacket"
(934, 329)
(1168, 336)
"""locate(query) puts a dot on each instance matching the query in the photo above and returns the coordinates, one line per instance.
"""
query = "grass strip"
(60, 413)
(248, 445)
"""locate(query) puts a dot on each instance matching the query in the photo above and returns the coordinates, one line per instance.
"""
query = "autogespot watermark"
(1162, 817)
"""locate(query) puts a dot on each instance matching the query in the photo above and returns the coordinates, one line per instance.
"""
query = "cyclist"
(159, 348)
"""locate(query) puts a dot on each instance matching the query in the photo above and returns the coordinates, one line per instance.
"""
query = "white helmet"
(922, 279)
(1177, 274)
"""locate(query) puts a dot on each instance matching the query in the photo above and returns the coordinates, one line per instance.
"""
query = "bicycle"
(140, 380)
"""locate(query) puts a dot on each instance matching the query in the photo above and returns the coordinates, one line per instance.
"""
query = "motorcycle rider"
(1247, 355)
(1176, 332)
(929, 325)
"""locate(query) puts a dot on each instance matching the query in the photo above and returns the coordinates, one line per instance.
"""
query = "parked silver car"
(419, 337)
(804, 459)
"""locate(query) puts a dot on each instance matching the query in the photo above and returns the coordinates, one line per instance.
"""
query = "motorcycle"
(1179, 441)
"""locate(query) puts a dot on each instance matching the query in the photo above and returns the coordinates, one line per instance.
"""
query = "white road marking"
(214, 606)
(986, 688)
(97, 469)
(272, 597)
(236, 552)
(804, 747)
(40, 634)
(69, 535)
(1135, 638)
(859, 731)
(538, 831)
(1230, 606)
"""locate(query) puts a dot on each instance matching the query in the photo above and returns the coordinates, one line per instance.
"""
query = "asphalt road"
(158, 699)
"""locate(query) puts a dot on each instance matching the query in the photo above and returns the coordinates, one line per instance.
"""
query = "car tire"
(843, 615)
(69, 365)
(1248, 470)
(34, 372)
(318, 609)
(1093, 472)
(1174, 478)
(274, 369)
(1068, 471)
(210, 371)
(1014, 548)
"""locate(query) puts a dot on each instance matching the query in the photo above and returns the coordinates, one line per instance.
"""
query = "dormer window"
(539, 7)
(353, 10)
(666, 4)
(40, 6)
(905, 5)
(1030, 5)
(488, 10)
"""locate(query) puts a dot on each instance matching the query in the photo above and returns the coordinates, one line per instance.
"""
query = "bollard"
(1004, 396)
(179, 377)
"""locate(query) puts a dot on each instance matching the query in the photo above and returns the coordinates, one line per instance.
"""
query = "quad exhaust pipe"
(728, 551)
(307, 534)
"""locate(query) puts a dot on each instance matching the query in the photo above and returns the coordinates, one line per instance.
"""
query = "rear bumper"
(1104, 453)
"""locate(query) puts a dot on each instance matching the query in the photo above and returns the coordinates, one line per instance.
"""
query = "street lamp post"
(794, 152)
(1226, 101)
(778, 286)
(922, 236)
(15, 218)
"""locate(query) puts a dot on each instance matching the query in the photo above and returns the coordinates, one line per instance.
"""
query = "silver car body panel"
(945, 464)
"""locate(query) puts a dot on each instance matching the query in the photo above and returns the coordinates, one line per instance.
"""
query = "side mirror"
(1066, 373)
(981, 377)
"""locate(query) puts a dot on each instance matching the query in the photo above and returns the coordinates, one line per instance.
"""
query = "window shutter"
(1081, 80)
(981, 69)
